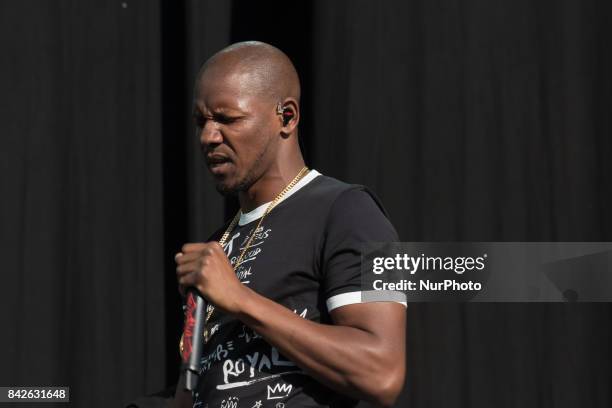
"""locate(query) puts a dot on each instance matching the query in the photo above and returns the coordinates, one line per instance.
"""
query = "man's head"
(240, 93)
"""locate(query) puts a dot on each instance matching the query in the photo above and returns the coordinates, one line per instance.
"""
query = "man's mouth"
(218, 164)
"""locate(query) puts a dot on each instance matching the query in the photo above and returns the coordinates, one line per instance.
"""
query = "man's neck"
(268, 187)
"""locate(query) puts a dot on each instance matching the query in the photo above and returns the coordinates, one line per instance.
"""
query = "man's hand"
(205, 267)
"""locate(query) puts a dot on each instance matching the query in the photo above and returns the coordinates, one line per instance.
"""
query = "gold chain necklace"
(211, 308)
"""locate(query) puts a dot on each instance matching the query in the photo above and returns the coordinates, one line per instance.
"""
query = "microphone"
(191, 343)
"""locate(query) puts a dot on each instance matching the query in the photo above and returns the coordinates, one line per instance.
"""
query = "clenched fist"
(205, 267)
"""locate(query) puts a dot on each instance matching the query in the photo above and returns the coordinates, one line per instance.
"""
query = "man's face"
(236, 128)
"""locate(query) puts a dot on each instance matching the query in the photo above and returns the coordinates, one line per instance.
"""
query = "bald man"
(288, 328)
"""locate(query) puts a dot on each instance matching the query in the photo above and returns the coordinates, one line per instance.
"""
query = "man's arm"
(362, 355)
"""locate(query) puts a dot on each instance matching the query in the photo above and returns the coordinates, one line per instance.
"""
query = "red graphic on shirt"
(190, 315)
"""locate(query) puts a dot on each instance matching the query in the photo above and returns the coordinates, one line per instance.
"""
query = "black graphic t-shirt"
(306, 257)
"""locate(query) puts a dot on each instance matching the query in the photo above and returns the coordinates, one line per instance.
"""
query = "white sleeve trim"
(348, 298)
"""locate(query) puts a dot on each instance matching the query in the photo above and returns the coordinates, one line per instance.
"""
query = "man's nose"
(210, 134)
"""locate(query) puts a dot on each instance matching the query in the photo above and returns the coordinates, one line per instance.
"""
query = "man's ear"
(289, 115)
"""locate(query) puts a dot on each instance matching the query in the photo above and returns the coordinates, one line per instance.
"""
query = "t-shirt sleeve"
(354, 219)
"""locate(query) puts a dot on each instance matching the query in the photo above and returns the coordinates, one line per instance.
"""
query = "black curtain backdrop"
(472, 120)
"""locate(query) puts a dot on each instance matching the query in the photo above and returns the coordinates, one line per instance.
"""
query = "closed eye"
(200, 120)
(225, 120)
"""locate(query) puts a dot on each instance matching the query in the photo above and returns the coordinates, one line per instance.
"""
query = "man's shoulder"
(329, 188)
(340, 194)
(322, 196)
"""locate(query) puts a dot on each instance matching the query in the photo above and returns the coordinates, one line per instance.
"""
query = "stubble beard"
(247, 181)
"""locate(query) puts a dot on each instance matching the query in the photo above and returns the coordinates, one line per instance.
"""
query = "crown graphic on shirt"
(279, 391)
